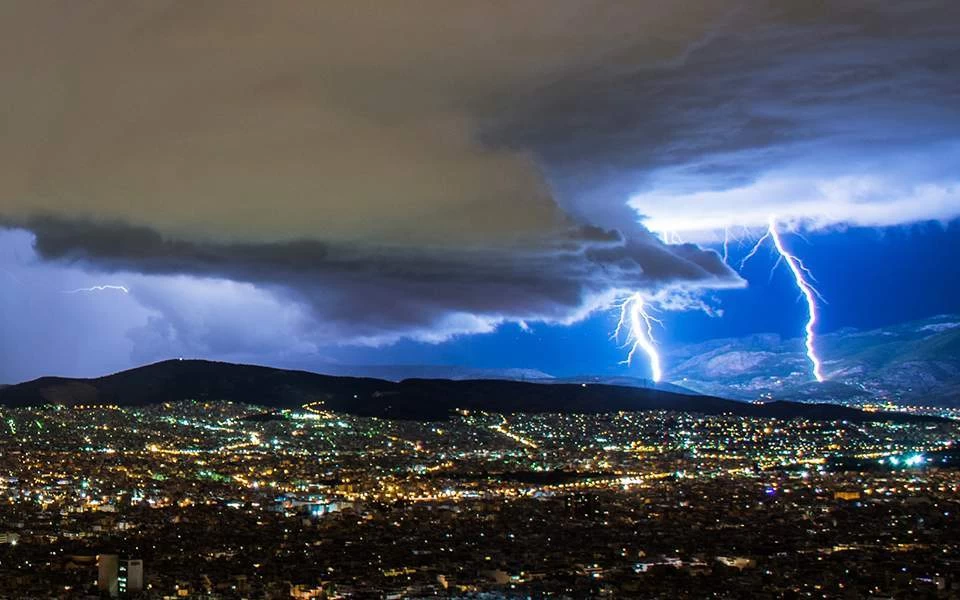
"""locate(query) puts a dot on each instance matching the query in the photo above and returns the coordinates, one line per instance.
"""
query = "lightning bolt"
(802, 276)
(99, 288)
(636, 326)
(755, 249)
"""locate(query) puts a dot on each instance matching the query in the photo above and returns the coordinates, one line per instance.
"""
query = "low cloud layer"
(147, 298)
(378, 294)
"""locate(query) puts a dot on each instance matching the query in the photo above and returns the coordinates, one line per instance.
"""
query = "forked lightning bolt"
(636, 326)
(802, 276)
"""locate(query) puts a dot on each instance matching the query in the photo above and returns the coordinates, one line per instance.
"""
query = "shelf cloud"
(394, 171)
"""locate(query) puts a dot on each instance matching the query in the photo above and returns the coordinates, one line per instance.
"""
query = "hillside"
(916, 362)
(422, 399)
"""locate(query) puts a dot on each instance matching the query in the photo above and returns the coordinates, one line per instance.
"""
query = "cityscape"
(225, 500)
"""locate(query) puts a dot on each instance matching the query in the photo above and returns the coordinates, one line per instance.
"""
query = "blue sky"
(870, 277)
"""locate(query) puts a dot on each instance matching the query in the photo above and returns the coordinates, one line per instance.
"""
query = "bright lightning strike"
(99, 288)
(636, 325)
(802, 276)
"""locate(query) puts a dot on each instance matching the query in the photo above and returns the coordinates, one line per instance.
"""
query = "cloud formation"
(378, 294)
(341, 157)
(347, 121)
(397, 170)
(825, 114)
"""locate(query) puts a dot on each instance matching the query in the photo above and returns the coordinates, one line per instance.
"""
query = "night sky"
(477, 184)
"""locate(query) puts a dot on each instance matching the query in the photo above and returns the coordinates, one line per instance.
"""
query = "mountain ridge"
(419, 399)
(915, 362)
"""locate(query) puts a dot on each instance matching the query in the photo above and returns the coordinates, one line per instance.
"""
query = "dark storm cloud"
(831, 93)
(345, 121)
(379, 294)
(762, 80)
(431, 168)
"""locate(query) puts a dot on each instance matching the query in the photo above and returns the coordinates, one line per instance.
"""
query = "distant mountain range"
(913, 363)
(401, 372)
(458, 373)
(917, 362)
(421, 399)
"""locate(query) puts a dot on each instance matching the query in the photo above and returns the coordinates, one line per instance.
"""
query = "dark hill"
(422, 399)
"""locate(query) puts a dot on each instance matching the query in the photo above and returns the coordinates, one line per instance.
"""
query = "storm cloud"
(377, 294)
(342, 121)
(425, 169)
(823, 114)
